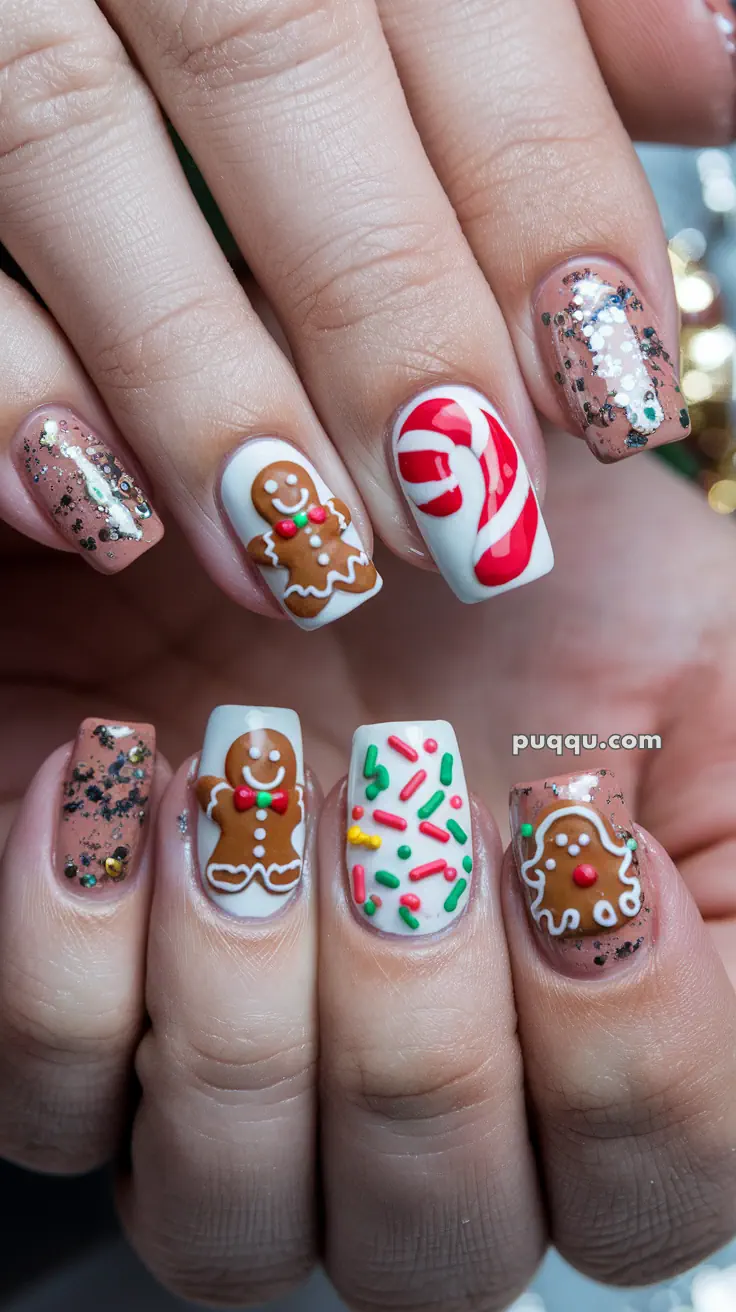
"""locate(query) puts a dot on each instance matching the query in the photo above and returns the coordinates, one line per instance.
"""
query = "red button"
(286, 528)
(584, 876)
(316, 514)
(243, 798)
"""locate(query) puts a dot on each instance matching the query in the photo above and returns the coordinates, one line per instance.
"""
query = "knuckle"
(175, 343)
(220, 1065)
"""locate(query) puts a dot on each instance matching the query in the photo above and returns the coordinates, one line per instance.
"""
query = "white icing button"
(274, 755)
(550, 863)
(259, 834)
(259, 851)
(261, 815)
(574, 850)
(561, 840)
(323, 558)
(254, 753)
(292, 479)
(315, 540)
(584, 839)
(271, 486)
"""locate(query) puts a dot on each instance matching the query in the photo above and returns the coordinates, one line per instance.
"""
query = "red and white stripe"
(427, 438)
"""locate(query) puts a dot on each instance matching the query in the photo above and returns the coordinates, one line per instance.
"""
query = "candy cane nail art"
(250, 792)
(408, 841)
(580, 867)
(470, 494)
(298, 532)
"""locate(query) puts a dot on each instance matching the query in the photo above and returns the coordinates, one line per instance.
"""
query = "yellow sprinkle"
(354, 834)
(375, 840)
(113, 867)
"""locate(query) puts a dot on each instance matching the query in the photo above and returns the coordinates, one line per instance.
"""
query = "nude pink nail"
(84, 488)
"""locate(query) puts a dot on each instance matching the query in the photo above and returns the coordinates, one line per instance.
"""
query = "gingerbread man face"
(583, 876)
(263, 759)
(282, 490)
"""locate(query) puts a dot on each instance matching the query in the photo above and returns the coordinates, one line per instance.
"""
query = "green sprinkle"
(546, 318)
(263, 799)
(372, 792)
(383, 778)
(684, 418)
(526, 830)
(88, 881)
(446, 769)
(371, 761)
(301, 519)
(650, 413)
(632, 844)
(408, 918)
(457, 831)
(369, 907)
(431, 806)
(404, 852)
(467, 864)
(455, 894)
(387, 879)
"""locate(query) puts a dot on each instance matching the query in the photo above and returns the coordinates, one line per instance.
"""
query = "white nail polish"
(409, 843)
(469, 492)
(299, 534)
(250, 825)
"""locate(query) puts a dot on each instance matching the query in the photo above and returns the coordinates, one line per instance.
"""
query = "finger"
(668, 67)
(220, 1203)
(64, 481)
(74, 897)
(358, 249)
(430, 1186)
(554, 202)
(627, 1023)
(147, 298)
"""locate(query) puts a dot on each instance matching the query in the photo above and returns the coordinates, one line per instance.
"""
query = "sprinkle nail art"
(299, 534)
(104, 803)
(85, 490)
(615, 376)
(250, 794)
(408, 841)
(469, 492)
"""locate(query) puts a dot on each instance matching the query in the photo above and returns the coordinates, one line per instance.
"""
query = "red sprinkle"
(316, 514)
(415, 782)
(357, 813)
(393, 821)
(431, 868)
(359, 884)
(399, 745)
(376, 900)
(430, 745)
(584, 876)
(286, 528)
(411, 901)
(456, 802)
(450, 874)
(432, 831)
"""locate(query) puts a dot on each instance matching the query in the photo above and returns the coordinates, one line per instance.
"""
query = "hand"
(448, 1102)
(343, 142)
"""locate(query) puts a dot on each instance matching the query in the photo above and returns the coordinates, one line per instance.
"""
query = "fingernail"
(469, 492)
(105, 803)
(409, 841)
(250, 791)
(580, 868)
(299, 534)
(723, 15)
(615, 377)
(85, 489)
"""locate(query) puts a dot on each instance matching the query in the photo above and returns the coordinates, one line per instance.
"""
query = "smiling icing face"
(262, 759)
(281, 490)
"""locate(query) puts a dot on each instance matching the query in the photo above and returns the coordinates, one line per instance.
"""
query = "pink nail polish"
(581, 871)
(84, 489)
(615, 377)
(105, 802)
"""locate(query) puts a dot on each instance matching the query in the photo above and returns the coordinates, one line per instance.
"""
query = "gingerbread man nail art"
(298, 533)
(251, 798)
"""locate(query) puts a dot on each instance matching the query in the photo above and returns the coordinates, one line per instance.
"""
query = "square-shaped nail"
(104, 803)
(251, 823)
(469, 491)
(580, 869)
(615, 377)
(300, 535)
(85, 489)
(409, 841)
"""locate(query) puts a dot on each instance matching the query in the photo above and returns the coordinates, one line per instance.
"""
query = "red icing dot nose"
(584, 876)
(286, 528)
(316, 514)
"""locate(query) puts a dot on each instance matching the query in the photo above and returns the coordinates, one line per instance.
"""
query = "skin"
(629, 1084)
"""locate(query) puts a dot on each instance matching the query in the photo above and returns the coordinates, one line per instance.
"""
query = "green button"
(301, 519)
(264, 799)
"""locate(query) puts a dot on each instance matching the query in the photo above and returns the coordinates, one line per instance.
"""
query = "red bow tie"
(245, 798)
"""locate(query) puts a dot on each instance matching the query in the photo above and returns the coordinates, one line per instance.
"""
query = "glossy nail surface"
(409, 842)
(580, 868)
(299, 534)
(104, 803)
(250, 791)
(616, 379)
(84, 488)
(469, 492)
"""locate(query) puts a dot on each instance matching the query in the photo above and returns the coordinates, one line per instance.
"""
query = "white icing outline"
(296, 509)
(570, 919)
(260, 787)
(213, 796)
